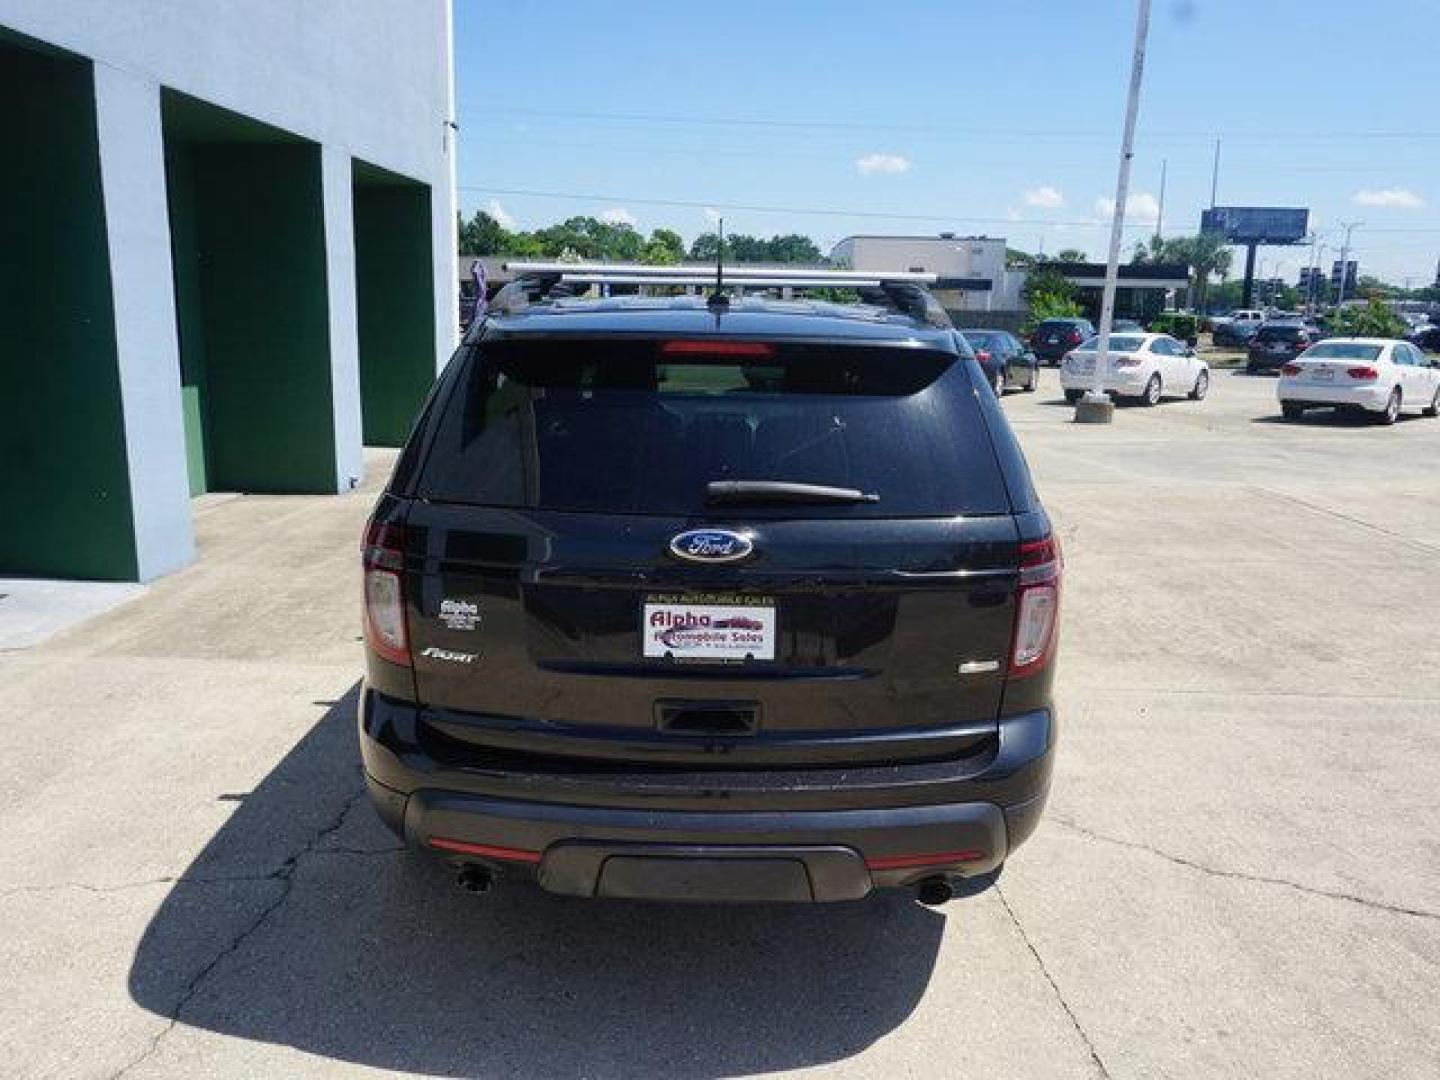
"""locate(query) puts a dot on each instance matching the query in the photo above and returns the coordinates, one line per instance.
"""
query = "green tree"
(664, 248)
(794, 248)
(742, 248)
(1046, 305)
(1374, 319)
(1207, 254)
(1046, 280)
(1048, 295)
(584, 237)
(482, 235)
(705, 247)
(1368, 285)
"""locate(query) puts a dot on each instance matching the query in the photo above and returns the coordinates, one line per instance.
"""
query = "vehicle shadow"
(303, 923)
(1337, 418)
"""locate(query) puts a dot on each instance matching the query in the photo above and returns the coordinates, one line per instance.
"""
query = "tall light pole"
(1160, 211)
(1215, 175)
(1310, 277)
(1344, 259)
(1096, 407)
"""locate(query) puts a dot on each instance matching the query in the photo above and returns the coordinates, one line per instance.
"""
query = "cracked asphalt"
(1239, 873)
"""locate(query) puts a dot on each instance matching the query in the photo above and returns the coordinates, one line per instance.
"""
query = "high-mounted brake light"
(716, 348)
(1363, 374)
(384, 561)
(1037, 607)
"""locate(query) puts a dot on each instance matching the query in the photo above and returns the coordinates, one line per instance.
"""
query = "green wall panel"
(185, 258)
(247, 225)
(395, 304)
(63, 477)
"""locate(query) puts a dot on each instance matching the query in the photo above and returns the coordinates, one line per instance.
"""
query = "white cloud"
(1142, 206)
(1045, 197)
(495, 210)
(617, 215)
(889, 164)
(1403, 198)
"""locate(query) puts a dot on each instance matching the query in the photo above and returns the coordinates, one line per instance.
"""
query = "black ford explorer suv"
(689, 601)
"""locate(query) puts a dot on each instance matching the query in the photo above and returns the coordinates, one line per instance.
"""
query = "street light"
(1095, 407)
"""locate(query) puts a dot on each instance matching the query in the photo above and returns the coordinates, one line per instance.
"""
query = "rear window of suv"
(1280, 333)
(622, 426)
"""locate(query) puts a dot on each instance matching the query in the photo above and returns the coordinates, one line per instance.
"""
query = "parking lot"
(1239, 873)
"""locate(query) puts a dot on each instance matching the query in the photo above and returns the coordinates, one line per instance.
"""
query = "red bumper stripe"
(939, 858)
(485, 851)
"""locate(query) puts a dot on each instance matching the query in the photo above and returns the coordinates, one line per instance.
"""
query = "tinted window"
(991, 342)
(619, 426)
(1118, 343)
(1341, 350)
(1280, 333)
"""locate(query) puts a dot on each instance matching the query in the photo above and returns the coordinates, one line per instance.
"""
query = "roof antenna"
(718, 299)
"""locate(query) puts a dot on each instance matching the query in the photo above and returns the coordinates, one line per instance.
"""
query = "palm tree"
(1206, 254)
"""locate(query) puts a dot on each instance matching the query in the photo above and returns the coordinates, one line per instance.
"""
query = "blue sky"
(839, 117)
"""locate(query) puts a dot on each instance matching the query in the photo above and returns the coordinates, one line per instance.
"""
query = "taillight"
(1073, 337)
(1037, 607)
(982, 355)
(702, 347)
(384, 559)
(1363, 374)
(1290, 369)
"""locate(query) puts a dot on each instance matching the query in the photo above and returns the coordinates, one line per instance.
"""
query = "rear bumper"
(831, 834)
(1370, 396)
(1123, 383)
(1264, 361)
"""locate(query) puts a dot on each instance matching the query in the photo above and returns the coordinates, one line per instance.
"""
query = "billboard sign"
(1256, 224)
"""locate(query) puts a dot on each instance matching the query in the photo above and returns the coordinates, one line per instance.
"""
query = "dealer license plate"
(709, 627)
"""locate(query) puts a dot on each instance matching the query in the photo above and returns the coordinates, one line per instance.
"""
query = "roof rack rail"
(903, 291)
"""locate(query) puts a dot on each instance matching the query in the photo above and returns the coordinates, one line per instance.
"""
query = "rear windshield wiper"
(782, 491)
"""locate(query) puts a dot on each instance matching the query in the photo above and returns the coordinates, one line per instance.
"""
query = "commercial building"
(228, 238)
(977, 263)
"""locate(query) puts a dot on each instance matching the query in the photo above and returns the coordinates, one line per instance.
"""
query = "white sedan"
(1146, 367)
(1383, 377)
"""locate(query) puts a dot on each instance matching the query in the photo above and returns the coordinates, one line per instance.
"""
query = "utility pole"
(1344, 259)
(1310, 282)
(1096, 406)
(1215, 175)
(1160, 213)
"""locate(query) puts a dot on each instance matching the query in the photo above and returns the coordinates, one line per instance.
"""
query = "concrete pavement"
(1239, 874)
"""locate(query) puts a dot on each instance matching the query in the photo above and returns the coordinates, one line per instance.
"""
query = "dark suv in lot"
(677, 600)
(1053, 338)
(1275, 344)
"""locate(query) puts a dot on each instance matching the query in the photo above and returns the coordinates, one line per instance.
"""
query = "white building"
(228, 237)
(977, 261)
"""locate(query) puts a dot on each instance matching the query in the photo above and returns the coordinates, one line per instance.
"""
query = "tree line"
(584, 237)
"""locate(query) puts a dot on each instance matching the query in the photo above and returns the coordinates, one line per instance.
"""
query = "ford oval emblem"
(711, 545)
